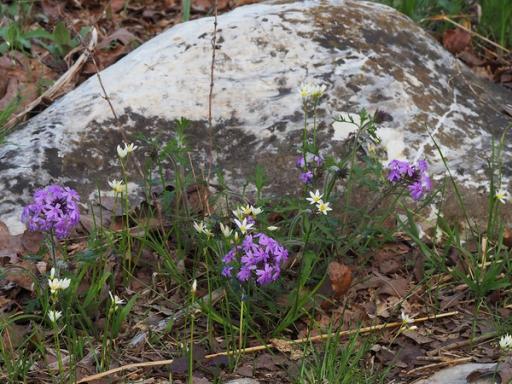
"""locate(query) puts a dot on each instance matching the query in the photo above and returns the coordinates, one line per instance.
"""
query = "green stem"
(191, 347)
(57, 349)
(53, 251)
(241, 326)
(305, 134)
(315, 103)
(126, 212)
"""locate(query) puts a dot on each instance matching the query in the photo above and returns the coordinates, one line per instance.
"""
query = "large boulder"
(368, 55)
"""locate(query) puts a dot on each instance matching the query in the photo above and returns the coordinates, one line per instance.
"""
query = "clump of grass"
(338, 361)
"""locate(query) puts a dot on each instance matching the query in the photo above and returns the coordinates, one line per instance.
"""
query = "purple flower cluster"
(414, 176)
(304, 162)
(259, 256)
(53, 208)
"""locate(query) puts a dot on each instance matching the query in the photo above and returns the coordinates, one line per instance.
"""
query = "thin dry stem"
(440, 364)
(210, 95)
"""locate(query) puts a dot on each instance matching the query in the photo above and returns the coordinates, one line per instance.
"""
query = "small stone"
(242, 381)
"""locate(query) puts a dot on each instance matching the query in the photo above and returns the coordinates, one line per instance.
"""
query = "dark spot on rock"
(52, 162)
(279, 126)
(202, 36)
(283, 91)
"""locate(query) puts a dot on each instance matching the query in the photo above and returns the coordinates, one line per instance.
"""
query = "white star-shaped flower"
(314, 198)
(116, 300)
(406, 319)
(239, 214)
(501, 196)
(317, 91)
(307, 90)
(244, 226)
(56, 285)
(226, 231)
(323, 207)
(199, 226)
(54, 315)
(506, 342)
(123, 152)
(117, 186)
(256, 210)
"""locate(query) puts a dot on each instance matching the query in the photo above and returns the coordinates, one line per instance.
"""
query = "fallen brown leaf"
(340, 277)
(206, 5)
(456, 40)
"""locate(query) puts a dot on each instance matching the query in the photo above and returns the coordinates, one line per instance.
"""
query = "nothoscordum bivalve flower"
(122, 152)
(323, 207)
(117, 186)
(56, 284)
(506, 343)
(501, 196)
(315, 91)
(54, 315)
(54, 208)
(314, 198)
(406, 319)
(259, 257)
(243, 225)
(116, 300)
(226, 231)
(199, 226)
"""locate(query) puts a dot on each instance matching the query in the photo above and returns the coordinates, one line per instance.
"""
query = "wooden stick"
(462, 343)
(53, 91)
(270, 345)
(440, 364)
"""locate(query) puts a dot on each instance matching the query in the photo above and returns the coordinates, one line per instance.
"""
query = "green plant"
(481, 269)
(496, 21)
(338, 361)
(14, 37)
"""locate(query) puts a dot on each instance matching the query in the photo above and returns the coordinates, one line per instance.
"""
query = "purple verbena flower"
(319, 160)
(415, 177)
(227, 271)
(54, 208)
(306, 177)
(259, 257)
(416, 190)
(300, 162)
(265, 275)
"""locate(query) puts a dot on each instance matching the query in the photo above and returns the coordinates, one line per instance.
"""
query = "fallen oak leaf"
(340, 277)
(456, 40)
(23, 274)
(284, 346)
